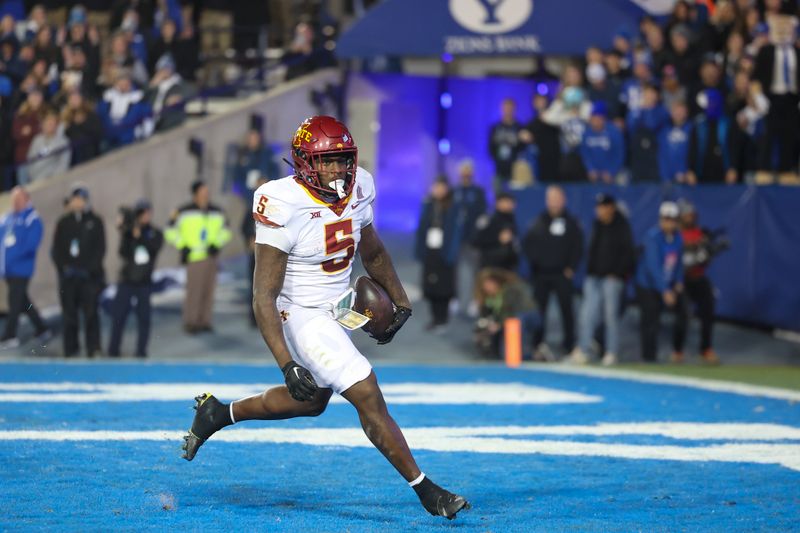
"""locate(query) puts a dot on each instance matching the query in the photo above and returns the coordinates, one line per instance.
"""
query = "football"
(373, 302)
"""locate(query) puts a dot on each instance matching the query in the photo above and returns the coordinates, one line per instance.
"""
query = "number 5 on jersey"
(338, 237)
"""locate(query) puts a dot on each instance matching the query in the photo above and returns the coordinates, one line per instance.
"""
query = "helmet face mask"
(325, 158)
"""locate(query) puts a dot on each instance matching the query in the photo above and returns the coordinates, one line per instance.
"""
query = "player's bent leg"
(273, 404)
(384, 433)
(277, 404)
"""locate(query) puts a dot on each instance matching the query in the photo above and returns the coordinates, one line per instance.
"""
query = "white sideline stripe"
(744, 389)
(493, 440)
(482, 393)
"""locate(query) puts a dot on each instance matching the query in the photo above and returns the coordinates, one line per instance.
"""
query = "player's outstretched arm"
(379, 266)
(267, 284)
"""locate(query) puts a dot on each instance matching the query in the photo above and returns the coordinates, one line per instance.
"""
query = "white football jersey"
(321, 243)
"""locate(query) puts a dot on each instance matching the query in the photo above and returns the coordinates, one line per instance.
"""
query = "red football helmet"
(317, 138)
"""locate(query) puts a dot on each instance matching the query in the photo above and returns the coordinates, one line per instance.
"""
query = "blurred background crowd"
(706, 94)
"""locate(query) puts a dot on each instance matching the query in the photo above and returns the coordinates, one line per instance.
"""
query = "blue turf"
(102, 486)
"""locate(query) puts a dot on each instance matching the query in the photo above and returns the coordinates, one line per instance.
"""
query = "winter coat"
(611, 250)
(553, 244)
(21, 235)
(661, 265)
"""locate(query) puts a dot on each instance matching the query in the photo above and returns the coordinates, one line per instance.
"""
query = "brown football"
(373, 302)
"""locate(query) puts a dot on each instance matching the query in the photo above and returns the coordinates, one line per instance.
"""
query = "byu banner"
(486, 27)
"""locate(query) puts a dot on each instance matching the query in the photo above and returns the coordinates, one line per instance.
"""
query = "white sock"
(417, 481)
(231, 410)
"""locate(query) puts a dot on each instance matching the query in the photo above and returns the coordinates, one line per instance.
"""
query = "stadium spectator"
(777, 69)
(82, 127)
(732, 55)
(697, 254)
(673, 145)
(6, 147)
(79, 246)
(682, 56)
(139, 246)
(306, 53)
(165, 44)
(659, 281)
(470, 199)
(199, 231)
(569, 112)
(541, 142)
(504, 144)
(632, 91)
(603, 147)
(254, 164)
(713, 150)
(644, 122)
(495, 236)
(50, 153)
(187, 51)
(44, 47)
(672, 91)
(21, 231)
(609, 263)
(602, 89)
(81, 36)
(120, 58)
(74, 77)
(554, 246)
(26, 125)
(124, 113)
(502, 294)
(436, 246)
(166, 95)
(749, 110)
(710, 79)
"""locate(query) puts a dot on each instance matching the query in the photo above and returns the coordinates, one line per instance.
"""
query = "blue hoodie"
(20, 236)
(673, 150)
(661, 264)
(604, 150)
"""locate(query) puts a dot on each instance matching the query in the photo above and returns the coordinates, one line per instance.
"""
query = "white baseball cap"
(668, 210)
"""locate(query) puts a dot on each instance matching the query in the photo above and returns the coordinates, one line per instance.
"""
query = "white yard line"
(733, 387)
(735, 447)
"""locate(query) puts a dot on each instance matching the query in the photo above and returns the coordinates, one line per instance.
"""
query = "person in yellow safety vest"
(199, 230)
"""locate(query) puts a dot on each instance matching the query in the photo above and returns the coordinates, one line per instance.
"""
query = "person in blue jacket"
(602, 148)
(436, 246)
(659, 281)
(21, 232)
(673, 145)
(643, 125)
(123, 112)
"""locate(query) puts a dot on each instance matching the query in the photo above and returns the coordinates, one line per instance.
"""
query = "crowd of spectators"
(68, 94)
(107, 74)
(708, 96)
(456, 237)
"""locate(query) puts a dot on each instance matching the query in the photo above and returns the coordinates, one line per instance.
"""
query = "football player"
(308, 229)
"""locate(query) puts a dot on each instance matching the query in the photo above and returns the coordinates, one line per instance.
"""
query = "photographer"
(139, 246)
(501, 294)
(700, 246)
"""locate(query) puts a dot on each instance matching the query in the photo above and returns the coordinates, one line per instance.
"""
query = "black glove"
(213, 250)
(401, 314)
(185, 255)
(299, 381)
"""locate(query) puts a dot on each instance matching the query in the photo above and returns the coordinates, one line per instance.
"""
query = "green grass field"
(787, 377)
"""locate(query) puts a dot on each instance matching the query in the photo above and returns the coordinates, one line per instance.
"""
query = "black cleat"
(210, 417)
(440, 502)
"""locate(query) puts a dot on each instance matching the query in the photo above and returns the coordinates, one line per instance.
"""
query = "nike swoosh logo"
(296, 372)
